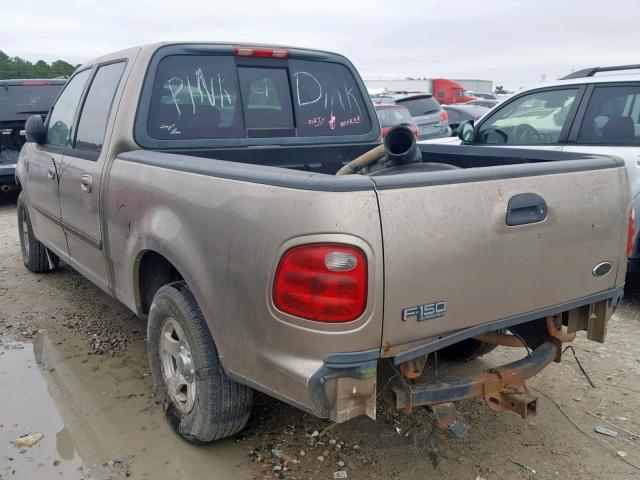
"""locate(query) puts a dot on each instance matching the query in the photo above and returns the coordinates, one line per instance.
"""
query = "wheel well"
(155, 271)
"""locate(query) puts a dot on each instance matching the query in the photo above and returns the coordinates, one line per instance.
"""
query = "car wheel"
(200, 401)
(35, 256)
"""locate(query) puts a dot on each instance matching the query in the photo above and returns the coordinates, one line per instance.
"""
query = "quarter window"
(64, 110)
(534, 119)
(95, 112)
(612, 117)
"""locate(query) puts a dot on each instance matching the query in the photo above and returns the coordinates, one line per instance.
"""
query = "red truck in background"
(448, 92)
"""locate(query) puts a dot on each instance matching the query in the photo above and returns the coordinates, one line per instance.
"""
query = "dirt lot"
(73, 367)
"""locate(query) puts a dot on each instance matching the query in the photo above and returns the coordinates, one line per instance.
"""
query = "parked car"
(483, 103)
(485, 96)
(463, 113)
(20, 99)
(427, 113)
(390, 115)
(583, 112)
(218, 212)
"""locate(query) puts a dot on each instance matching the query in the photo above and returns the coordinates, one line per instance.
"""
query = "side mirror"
(35, 129)
(465, 131)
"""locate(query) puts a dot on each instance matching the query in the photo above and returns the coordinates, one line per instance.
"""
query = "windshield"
(21, 101)
(421, 105)
(390, 116)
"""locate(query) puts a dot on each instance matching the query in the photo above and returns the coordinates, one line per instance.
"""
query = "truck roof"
(149, 48)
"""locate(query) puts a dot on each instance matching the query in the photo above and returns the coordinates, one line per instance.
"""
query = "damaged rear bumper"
(348, 384)
(503, 387)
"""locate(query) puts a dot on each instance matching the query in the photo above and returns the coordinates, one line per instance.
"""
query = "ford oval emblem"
(602, 269)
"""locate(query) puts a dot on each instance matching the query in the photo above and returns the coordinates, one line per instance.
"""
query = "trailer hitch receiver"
(503, 388)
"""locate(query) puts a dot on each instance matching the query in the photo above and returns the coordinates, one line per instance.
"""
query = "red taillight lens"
(262, 52)
(34, 83)
(631, 233)
(444, 115)
(325, 282)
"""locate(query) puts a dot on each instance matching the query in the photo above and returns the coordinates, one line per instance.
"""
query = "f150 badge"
(428, 311)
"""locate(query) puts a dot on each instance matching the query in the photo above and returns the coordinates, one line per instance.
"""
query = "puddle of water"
(92, 411)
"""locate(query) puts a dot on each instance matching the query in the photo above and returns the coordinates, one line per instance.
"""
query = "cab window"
(612, 117)
(266, 98)
(64, 110)
(95, 112)
(534, 119)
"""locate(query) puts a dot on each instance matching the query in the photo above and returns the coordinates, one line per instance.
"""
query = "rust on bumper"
(502, 388)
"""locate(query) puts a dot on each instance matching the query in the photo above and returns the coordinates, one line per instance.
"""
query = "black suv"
(19, 99)
(428, 114)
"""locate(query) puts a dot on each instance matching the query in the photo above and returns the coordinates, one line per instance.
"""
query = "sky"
(513, 43)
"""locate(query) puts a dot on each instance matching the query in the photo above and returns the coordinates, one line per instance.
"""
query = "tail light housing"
(631, 232)
(444, 115)
(324, 282)
(263, 52)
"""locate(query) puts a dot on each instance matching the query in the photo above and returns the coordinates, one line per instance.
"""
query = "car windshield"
(18, 102)
(420, 105)
(390, 116)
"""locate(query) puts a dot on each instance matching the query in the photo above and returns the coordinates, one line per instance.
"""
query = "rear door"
(81, 175)
(452, 260)
(609, 124)
(44, 167)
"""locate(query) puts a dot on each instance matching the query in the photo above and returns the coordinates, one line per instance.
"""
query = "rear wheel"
(200, 401)
(466, 350)
(35, 256)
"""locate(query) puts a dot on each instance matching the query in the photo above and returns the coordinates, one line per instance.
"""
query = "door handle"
(51, 172)
(526, 208)
(86, 183)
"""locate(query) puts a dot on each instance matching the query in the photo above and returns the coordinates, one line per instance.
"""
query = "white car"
(596, 110)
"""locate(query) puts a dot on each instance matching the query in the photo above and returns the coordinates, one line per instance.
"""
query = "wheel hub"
(178, 368)
(25, 232)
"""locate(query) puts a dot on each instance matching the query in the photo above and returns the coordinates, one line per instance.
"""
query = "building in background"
(425, 85)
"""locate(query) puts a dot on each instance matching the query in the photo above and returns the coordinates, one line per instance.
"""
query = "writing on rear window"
(209, 97)
(327, 100)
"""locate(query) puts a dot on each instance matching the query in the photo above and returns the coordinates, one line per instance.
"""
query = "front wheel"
(200, 401)
(35, 256)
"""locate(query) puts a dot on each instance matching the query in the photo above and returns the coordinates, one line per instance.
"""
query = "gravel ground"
(73, 366)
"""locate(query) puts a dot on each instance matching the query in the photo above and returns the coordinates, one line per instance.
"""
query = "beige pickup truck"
(196, 183)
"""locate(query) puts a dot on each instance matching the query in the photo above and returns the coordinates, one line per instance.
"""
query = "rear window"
(393, 116)
(421, 105)
(208, 97)
(18, 102)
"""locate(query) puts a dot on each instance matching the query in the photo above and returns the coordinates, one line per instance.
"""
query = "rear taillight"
(444, 115)
(325, 282)
(34, 83)
(631, 233)
(262, 52)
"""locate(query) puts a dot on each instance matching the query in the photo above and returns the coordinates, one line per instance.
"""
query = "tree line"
(16, 67)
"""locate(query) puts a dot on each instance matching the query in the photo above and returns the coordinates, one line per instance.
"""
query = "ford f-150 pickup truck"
(238, 198)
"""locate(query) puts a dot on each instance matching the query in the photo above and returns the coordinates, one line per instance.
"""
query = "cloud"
(511, 42)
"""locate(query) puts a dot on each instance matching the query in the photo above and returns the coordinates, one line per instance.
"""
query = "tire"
(35, 256)
(466, 350)
(208, 405)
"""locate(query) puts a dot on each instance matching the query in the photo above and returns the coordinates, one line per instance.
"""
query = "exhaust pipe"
(400, 146)
(5, 188)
